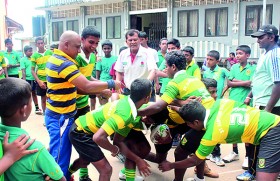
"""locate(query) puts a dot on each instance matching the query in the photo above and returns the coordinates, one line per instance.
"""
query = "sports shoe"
(123, 177)
(86, 178)
(195, 179)
(246, 176)
(38, 111)
(208, 157)
(208, 172)
(245, 164)
(231, 157)
(218, 161)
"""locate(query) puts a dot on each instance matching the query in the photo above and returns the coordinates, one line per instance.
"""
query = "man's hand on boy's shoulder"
(18, 148)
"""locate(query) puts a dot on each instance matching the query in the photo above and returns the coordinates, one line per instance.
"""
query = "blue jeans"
(60, 145)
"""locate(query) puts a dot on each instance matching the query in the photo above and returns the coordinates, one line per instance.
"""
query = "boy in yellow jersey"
(181, 87)
(192, 68)
(228, 121)
(89, 134)
(39, 60)
(63, 80)
(15, 108)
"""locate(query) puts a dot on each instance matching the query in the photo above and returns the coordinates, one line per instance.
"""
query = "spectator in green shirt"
(13, 59)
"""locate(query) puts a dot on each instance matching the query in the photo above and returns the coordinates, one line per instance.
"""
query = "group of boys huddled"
(191, 104)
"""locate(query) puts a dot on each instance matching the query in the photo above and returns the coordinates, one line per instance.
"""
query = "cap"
(265, 29)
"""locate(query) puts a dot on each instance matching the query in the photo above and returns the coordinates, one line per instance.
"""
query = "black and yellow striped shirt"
(61, 94)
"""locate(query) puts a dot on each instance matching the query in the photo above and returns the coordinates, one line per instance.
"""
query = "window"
(216, 23)
(254, 18)
(97, 22)
(73, 25)
(113, 27)
(188, 23)
(57, 30)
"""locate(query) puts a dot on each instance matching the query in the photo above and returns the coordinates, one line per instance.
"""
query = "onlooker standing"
(25, 66)
(265, 87)
(192, 68)
(13, 59)
(161, 58)
(231, 60)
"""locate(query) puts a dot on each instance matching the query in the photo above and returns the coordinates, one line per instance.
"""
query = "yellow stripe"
(250, 129)
(221, 125)
(208, 102)
(55, 61)
(119, 120)
(62, 110)
(74, 77)
(87, 71)
(107, 128)
(274, 124)
(66, 70)
(199, 156)
(41, 72)
(197, 74)
(63, 97)
(91, 123)
(51, 73)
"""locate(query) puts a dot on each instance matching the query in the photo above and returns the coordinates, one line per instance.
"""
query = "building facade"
(204, 24)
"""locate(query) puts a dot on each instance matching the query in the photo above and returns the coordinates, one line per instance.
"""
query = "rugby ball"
(160, 134)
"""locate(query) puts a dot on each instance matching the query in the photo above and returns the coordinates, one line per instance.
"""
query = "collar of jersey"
(206, 118)
(83, 55)
(61, 53)
(179, 73)
(133, 107)
(192, 62)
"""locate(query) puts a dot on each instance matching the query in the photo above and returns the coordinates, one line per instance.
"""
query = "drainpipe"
(264, 13)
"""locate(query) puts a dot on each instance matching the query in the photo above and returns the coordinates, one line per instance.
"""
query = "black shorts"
(180, 129)
(84, 145)
(15, 76)
(269, 152)
(33, 84)
(40, 91)
(81, 112)
(161, 117)
(191, 140)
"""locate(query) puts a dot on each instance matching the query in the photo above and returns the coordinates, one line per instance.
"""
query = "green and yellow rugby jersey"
(61, 70)
(181, 87)
(118, 116)
(86, 67)
(229, 121)
(2, 64)
(193, 69)
(39, 61)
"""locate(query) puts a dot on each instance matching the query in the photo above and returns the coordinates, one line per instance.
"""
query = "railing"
(60, 2)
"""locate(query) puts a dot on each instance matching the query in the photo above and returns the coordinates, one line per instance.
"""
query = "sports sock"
(247, 151)
(235, 149)
(83, 172)
(123, 170)
(130, 174)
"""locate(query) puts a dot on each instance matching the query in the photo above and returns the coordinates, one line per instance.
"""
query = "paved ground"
(34, 126)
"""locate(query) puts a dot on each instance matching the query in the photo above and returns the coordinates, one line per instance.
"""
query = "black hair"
(189, 49)
(192, 111)
(39, 38)
(215, 54)
(232, 53)
(107, 42)
(15, 93)
(90, 31)
(26, 48)
(162, 40)
(8, 40)
(143, 34)
(177, 58)
(139, 89)
(54, 46)
(131, 32)
(175, 42)
(244, 48)
(122, 48)
(208, 82)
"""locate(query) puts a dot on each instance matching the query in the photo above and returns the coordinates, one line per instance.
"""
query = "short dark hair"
(175, 42)
(215, 54)
(90, 31)
(192, 111)
(208, 82)
(139, 89)
(143, 34)
(244, 48)
(177, 58)
(162, 40)
(232, 53)
(54, 46)
(107, 42)
(8, 40)
(26, 48)
(189, 49)
(15, 93)
(122, 48)
(131, 32)
(39, 38)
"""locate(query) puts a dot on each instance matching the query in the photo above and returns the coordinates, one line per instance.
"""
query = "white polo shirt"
(266, 74)
(143, 63)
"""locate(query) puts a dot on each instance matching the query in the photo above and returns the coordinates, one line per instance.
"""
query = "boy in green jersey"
(90, 132)
(192, 68)
(13, 59)
(240, 82)
(228, 121)
(15, 108)
(25, 66)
